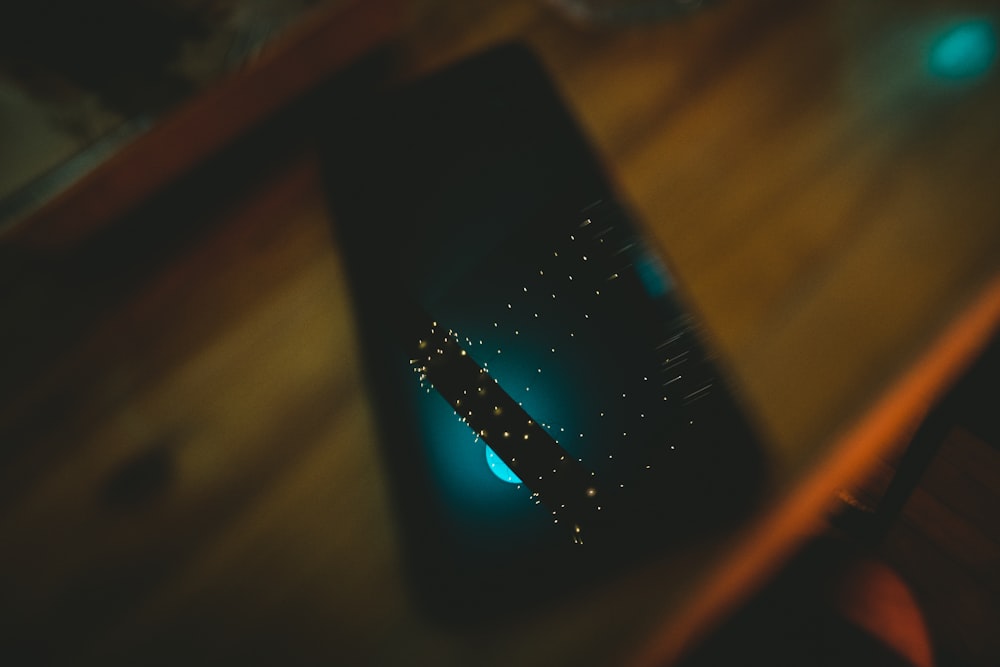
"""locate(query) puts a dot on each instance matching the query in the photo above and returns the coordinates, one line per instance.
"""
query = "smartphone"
(548, 409)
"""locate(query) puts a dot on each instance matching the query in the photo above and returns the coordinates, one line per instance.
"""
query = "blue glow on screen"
(500, 469)
(964, 52)
(456, 455)
(652, 274)
(477, 484)
(565, 327)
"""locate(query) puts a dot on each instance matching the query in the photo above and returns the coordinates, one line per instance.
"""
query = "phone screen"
(547, 407)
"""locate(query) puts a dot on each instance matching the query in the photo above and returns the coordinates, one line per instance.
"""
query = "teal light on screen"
(651, 273)
(500, 469)
(964, 52)
(461, 471)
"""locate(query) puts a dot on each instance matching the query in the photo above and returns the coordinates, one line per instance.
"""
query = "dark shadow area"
(802, 616)
(141, 479)
(979, 396)
(549, 412)
(120, 50)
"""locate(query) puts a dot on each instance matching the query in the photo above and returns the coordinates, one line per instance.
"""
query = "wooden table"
(189, 468)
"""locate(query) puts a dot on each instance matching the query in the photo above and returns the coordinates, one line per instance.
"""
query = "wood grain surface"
(188, 465)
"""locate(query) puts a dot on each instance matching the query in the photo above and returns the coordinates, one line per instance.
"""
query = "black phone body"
(548, 411)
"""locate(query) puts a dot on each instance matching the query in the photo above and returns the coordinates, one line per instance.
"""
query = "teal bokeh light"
(964, 52)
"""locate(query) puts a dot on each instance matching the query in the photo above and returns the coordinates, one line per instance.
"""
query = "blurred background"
(189, 470)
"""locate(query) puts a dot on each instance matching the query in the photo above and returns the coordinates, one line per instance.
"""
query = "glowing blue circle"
(966, 51)
(500, 469)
